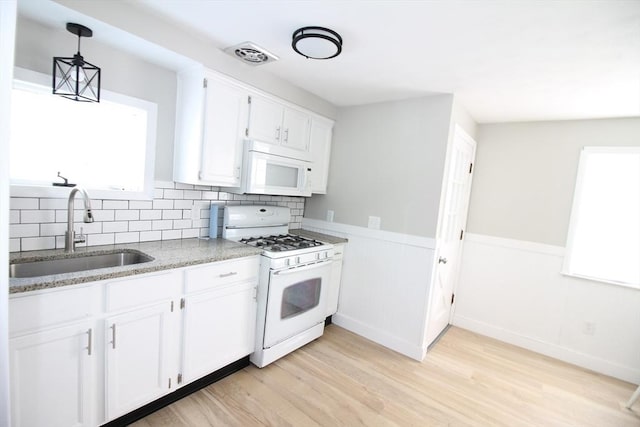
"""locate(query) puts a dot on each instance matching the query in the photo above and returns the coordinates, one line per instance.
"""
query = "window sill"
(599, 280)
(63, 193)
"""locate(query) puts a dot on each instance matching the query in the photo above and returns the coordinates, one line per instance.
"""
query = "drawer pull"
(113, 335)
(232, 273)
(90, 335)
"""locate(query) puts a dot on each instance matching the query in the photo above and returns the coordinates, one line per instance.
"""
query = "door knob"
(442, 260)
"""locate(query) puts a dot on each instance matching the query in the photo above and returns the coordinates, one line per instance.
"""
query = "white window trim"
(573, 219)
(25, 77)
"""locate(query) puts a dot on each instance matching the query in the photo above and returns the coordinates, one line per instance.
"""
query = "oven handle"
(303, 268)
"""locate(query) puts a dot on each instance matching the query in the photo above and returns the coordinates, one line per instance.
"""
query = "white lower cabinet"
(230, 313)
(137, 358)
(52, 375)
(336, 277)
(85, 355)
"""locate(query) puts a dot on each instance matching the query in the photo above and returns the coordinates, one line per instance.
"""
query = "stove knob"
(297, 260)
(318, 256)
(287, 262)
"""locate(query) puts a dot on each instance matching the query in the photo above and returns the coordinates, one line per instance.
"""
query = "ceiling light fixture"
(74, 78)
(317, 42)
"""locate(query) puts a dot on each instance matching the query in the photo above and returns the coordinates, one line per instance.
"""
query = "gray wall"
(525, 174)
(121, 72)
(387, 160)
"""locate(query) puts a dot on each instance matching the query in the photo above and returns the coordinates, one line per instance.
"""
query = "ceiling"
(504, 60)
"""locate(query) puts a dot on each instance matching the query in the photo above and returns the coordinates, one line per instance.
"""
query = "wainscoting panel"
(385, 285)
(513, 291)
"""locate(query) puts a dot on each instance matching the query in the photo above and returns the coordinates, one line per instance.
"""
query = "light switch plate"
(330, 215)
(374, 222)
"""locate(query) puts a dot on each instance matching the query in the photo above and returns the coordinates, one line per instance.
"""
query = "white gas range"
(294, 279)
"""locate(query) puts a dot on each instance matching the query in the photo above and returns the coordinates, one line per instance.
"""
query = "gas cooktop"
(281, 242)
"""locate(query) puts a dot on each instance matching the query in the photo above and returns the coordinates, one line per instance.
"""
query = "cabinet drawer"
(221, 273)
(51, 308)
(132, 292)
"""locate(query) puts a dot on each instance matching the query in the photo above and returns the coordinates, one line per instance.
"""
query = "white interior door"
(450, 232)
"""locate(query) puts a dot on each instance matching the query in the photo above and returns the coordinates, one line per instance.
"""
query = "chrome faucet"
(70, 239)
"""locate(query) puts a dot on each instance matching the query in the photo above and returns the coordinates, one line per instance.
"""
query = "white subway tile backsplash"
(163, 204)
(23, 203)
(154, 214)
(148, 236)
(140, 204)
(127, 215)
(171, 214)
(37, 216)
(174, 194)
(37, 243)
(41, 223)
(139, 225)
(115, 204)
(24, 230)
(171, 234)
(130, 237)
(115, 227)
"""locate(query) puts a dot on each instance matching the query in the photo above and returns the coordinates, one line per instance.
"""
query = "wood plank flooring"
(465, 380)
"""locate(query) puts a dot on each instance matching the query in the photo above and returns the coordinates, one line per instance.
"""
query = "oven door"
(296, 301)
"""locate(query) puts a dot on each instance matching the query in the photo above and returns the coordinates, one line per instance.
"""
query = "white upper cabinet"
(320, 148)
(211, 121)
(276, 123)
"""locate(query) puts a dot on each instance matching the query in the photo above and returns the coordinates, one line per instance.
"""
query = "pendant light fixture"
(317, 42)
(74, 78)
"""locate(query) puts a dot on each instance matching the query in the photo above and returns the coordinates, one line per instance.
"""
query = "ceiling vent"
(251, 53)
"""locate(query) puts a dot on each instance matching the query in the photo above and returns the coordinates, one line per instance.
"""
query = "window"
(604, 232)
(107, 147)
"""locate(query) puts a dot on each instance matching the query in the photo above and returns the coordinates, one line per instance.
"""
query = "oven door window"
(300, 298)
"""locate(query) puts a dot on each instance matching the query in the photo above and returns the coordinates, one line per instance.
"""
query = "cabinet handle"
(89, 339)
(113, 336)
(278, 133)
(286, 135)
(232, 273)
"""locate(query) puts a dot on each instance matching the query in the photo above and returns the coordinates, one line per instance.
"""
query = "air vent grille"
(250, 53)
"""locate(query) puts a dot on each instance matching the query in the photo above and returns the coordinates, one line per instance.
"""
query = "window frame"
(575, 214)
(25, 77)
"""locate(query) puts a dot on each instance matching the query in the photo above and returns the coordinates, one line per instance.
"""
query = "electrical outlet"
(330, 215)
(374, 222)
(589, 328)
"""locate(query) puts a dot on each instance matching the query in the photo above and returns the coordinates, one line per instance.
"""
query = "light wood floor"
(465, 380)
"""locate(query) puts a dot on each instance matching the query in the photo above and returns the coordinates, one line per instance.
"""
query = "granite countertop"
(166, 254)
(327, 238)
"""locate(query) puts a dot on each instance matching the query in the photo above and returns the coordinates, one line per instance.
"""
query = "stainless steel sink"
(89, 261)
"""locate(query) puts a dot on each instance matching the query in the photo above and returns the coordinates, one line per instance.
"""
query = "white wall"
(121, 72)
(384, 286)
(387, 160)
(7, 44)
(512, 290)
(510, 285)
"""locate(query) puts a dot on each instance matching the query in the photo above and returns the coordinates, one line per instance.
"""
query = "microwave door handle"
(297, 269)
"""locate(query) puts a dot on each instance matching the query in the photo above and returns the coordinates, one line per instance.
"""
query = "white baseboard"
(378, 336)
(561, 353)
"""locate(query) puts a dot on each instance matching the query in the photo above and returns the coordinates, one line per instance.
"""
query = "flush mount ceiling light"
(74, 78)
(317, 42)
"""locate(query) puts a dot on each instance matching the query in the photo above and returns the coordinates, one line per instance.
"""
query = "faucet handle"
(81, 238)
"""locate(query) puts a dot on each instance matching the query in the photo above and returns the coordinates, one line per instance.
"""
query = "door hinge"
(204, 83)
(246, 131)
(470, 167)
(461, 234)
(179, 378)
(169, 382)
(172, 306)
(453, 297)
(249, 99)
(182, 303)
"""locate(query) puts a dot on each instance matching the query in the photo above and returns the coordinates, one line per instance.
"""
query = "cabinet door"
(295, 129)
(136, 348)
(265, 120)
(320, 148)
(51, 377)
(219, 328)
(225, 121)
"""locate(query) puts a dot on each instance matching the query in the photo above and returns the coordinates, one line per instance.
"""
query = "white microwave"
(269, 169)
